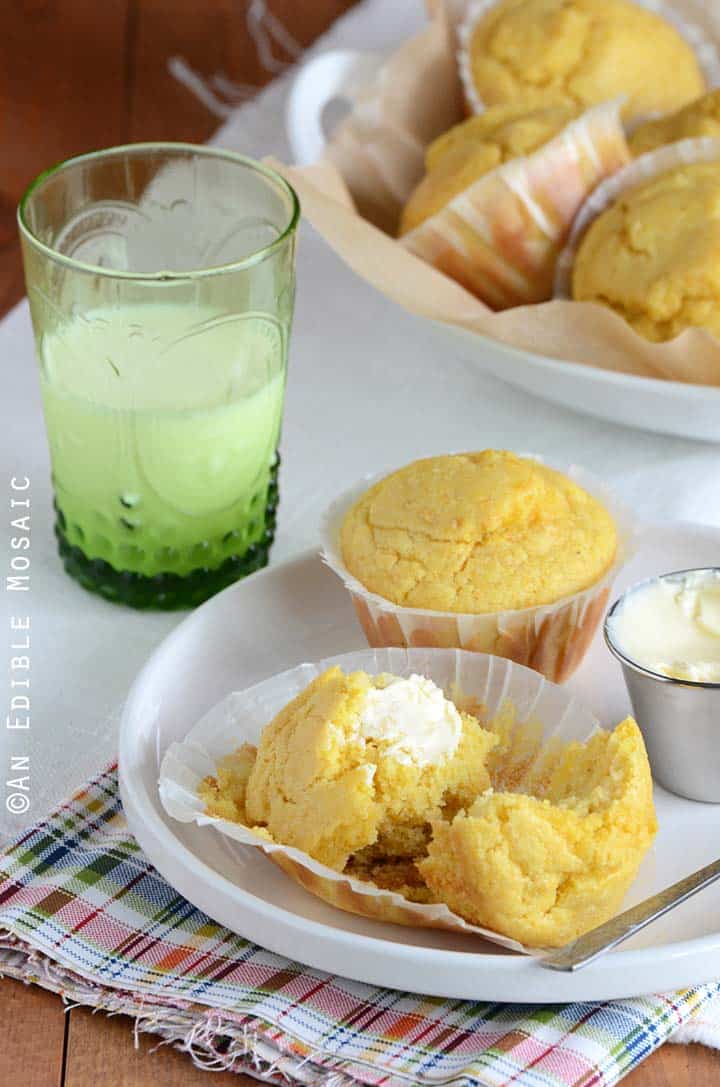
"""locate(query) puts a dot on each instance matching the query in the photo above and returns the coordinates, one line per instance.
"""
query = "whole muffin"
(582, 52)
(698, 120)
(654, 255)
(476, 146)
(477, 533)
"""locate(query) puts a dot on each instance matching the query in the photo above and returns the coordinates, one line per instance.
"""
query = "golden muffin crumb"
(654, 255)
(401, 876)
(224, 794)
(583, 52)
(323, 783)
(545, 868)
(476, 146)
(699, 120)
(477, 532)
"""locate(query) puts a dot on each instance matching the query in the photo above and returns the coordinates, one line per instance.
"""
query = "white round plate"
(667, 407)
(297, 612)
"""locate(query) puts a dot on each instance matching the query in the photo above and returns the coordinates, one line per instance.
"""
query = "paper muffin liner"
(545, 717)
(551, 638)
(704, 48)
(500, 237)
(642, 169)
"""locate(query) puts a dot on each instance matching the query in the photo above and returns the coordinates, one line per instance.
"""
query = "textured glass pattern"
(161, 285)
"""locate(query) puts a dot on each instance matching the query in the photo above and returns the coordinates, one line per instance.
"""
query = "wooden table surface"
(76, 75)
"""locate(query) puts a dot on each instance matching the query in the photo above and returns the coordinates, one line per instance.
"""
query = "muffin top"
(700, 119)
(654, 255)
(477, 533)
(474, 147)
(584, 52)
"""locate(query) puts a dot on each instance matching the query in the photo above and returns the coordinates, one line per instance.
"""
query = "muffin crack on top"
(477, 533)
(585, 51)
(526, 74)
(654, 255)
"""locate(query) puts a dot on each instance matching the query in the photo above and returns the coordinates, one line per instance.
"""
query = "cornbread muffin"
(698, 120)
(385, 780)
(502, 191)
(546, 868)
(356, 761)
(654, 255)
(476, 146)
(477, 533)
(582, 52)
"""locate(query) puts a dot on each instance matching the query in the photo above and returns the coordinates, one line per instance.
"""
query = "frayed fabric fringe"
(214, 1041)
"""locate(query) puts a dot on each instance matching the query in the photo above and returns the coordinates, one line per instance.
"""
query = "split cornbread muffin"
(474, 147)
(699, 120)
(582, 52)
(653, 256)
(356, 761)
(384, 779)
(477, 533)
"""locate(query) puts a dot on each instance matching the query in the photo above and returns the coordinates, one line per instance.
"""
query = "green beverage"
(163, 424)
(161, 281)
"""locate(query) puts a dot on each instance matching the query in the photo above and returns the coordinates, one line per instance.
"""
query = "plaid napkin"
(84, 913)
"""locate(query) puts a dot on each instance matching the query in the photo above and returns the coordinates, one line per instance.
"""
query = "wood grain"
(103, 1051)
(77, 74)
(33, 1036)
(678, 1066)
(62, 73)
(74, 75)
(96, 1044)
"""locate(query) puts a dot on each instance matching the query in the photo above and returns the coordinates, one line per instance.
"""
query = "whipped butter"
(412, 720)
(672, 626)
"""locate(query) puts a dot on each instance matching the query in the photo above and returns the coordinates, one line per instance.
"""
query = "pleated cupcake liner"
(500, 237)
(539, 719)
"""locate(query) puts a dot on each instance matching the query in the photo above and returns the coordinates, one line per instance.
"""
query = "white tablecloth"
(369, 388)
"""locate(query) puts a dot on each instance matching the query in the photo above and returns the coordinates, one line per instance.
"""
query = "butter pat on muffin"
(477, 533)
(582, 52)
(386, 780)
(356, 760)
(653, 256)
(545, 868)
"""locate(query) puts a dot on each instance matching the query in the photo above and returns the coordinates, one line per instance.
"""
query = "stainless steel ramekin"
(679, 718)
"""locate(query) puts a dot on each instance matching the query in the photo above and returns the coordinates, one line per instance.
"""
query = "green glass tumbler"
(161, 284)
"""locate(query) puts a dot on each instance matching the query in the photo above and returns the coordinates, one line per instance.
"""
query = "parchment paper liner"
(501, 236)
(417, 93)
(704, 48)
(547, 712)
(642, 169)
(551, 638)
